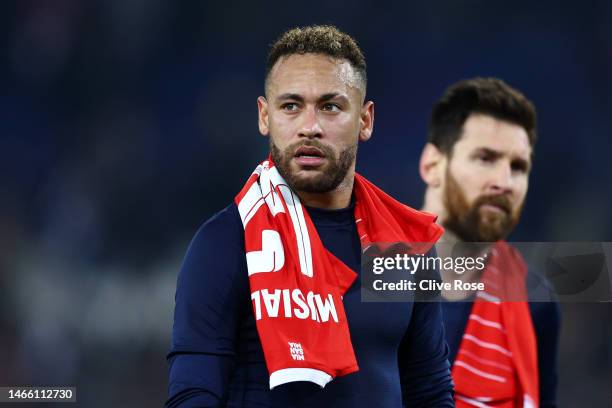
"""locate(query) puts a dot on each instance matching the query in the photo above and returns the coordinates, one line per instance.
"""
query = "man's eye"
(330, 107)
(290, 107)
(520, 167)
(485, 158)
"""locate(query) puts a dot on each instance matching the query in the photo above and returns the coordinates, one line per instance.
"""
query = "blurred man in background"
(268, 307)
(476, 165)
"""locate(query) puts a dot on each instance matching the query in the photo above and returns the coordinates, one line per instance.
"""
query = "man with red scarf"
(268, 303)
(476, 166)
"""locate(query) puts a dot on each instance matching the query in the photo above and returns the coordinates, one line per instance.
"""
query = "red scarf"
(497, 361)
(297, 285)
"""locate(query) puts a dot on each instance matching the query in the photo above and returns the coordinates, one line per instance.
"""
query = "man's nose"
(501, 179)
(310, 126)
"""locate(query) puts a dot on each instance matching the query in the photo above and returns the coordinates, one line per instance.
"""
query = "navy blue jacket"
(216, 357)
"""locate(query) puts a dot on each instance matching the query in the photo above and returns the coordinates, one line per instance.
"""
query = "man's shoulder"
(216, 246)
(222, 229)
(228, 217)
(543, 304)
(539, 288)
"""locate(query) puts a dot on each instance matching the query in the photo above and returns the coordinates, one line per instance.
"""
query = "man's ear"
(431, 165)
(262, 112)
(366, 121)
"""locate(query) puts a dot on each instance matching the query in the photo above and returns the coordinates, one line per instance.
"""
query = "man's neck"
(336, 199)
(433, 204)
(446, 249)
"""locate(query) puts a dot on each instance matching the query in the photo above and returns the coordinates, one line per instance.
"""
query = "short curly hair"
(489, 96)
(318, 39)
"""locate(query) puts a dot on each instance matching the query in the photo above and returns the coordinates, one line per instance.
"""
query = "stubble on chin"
(323, 180)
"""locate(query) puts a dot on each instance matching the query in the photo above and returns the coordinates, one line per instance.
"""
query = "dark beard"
(467, 221)
(332, 174)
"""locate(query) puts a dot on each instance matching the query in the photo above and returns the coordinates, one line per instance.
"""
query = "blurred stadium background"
(125, 124)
